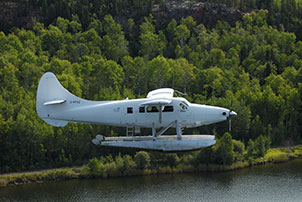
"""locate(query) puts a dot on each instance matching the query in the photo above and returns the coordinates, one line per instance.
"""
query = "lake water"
(274, 182)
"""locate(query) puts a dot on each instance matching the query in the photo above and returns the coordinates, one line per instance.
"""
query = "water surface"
(274, 182)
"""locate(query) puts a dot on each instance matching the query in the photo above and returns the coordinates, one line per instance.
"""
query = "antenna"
(176, 91)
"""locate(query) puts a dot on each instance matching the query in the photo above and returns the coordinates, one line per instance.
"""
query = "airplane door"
(129, 116)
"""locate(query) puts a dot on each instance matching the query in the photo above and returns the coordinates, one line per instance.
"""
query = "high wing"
(157, 102)
(161, 93)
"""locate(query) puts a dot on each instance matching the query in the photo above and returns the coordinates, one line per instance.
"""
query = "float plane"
(160, 110)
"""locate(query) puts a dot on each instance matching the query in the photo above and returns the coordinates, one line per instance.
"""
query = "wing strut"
(160, 113)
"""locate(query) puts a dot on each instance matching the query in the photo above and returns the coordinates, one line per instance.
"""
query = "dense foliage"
(285, 13)
(252, 64)
(124, 165)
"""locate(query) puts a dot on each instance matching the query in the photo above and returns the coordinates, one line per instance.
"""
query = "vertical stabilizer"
(51, 99)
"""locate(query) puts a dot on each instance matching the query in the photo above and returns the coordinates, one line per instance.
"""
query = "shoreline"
(275, 155)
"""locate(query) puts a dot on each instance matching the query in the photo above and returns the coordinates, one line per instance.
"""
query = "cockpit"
(183, 105)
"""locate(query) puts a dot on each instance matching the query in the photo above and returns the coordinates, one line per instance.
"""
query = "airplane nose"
(232, 113)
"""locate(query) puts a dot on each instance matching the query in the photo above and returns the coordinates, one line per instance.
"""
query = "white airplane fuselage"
(128, 113)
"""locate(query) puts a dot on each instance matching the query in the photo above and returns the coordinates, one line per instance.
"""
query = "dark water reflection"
(281, 182)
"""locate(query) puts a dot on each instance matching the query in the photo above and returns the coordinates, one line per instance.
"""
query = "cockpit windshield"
(183, 106)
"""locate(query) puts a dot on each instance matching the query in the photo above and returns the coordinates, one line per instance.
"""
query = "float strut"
(153, 132)
(164, 129)
(178, 130)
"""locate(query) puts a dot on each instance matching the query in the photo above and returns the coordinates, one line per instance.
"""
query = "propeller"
(231, 114)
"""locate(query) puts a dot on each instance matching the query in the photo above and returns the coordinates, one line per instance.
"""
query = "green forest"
(255, 63)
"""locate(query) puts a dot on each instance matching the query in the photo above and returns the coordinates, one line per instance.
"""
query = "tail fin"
(51, 99)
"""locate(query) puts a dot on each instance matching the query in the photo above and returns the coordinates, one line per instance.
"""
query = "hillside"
(18, 14)
(285, 14)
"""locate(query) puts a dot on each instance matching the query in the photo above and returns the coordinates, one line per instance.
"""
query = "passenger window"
(168, 109)
(129, 110)
(152, 109)
(142, 109)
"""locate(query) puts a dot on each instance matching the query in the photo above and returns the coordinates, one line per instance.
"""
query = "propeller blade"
(231, 114)
(230, 124)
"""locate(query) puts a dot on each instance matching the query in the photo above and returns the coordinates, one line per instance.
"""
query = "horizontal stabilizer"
(54, 102)
(57, 123)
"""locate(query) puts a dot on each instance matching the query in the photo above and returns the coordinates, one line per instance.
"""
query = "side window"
(129, 110)
(152, 109)
(141, 109)
(168, 109)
